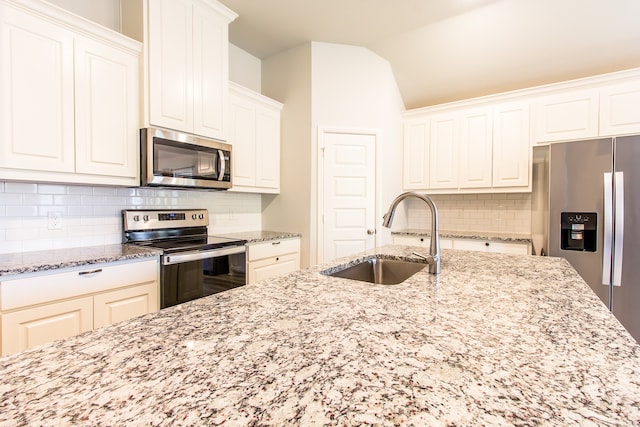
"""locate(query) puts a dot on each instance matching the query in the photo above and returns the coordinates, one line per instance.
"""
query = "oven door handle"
(200, 255)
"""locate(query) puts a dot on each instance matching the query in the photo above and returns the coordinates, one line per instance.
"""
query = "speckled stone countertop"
(29, 262)
(494, 340)
(448, 234)
(259, 236)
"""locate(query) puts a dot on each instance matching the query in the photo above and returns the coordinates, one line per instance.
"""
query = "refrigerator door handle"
(618, 229)
(608, 229)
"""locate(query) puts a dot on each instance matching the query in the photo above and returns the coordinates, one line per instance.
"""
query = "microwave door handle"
(222, 165)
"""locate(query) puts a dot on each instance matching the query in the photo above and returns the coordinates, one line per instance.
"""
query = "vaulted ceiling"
(445, 50)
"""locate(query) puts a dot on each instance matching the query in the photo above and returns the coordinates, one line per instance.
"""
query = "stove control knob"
(136, 217)
(145, 218)
(201, 216)
(194, 217)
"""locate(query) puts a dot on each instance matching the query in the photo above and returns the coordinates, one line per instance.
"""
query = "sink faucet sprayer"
(434, 250)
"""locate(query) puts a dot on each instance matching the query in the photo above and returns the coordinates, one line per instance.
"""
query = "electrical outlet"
(54, 221)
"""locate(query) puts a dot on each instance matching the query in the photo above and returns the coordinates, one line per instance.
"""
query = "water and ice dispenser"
(578, 231)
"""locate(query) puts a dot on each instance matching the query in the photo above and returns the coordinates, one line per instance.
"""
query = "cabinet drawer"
(87, 280)
(491, 246)
(421, 241)
(273, 267)
(272, 249)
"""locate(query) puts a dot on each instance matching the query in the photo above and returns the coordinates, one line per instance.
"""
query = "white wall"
(245, 69)
(334, 86)
(91, 215)
(355, 88)
(103, 12)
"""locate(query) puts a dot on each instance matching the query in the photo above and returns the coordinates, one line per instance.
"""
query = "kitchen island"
(493, 340)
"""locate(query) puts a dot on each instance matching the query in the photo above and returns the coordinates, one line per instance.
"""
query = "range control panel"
(159, 219)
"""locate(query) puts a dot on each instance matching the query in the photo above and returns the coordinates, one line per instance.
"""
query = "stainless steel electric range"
(193, 264)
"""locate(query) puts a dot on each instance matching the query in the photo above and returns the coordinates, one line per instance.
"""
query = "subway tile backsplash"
(490, 213)
(91, 215)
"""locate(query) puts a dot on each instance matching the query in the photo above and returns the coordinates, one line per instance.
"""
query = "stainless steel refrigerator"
(594, 218)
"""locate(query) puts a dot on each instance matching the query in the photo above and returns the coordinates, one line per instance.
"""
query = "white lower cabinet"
(271, 259)
(43, 308)
(24, 329)
(478, 245)
(123, 304)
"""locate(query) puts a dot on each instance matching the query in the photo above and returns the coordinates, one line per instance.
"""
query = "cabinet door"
(511, 145)
(123, 304)
(36, 80)
(267, 148)
(243, 138)
(210, 72)
(171, 64)
(415, 170)
(28, 328)
(566, 116)
(620, 109)
(106, 110)
(476, 144)
(273, 267)
(443, 152)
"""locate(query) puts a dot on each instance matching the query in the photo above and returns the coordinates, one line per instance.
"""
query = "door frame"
(322, 131)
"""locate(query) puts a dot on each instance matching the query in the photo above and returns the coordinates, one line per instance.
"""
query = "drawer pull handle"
(86, 273)
(275, 243)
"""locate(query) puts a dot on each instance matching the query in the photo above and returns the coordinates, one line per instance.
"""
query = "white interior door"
(348, 197)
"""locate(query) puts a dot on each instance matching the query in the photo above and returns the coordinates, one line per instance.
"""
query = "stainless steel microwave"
(173, 159)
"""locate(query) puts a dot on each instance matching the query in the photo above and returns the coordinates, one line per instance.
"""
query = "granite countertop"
(494, 340)
(260, 236)
(30, 262)
(449, 234)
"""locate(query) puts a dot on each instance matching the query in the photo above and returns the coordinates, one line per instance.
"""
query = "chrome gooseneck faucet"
(434, 250)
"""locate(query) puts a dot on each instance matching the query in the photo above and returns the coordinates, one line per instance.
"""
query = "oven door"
(186, 276)
(174, 159)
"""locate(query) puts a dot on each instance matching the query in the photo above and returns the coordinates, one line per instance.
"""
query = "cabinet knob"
(486, 243)
(371, 232)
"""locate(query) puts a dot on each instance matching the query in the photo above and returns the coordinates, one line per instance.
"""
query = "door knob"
(371, 232)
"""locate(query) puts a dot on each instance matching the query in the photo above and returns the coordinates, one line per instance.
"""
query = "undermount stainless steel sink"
(381, 271)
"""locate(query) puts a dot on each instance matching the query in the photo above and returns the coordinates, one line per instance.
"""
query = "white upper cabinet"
(416, 154)
(70, 98)
(170, 73)
(188, 62)
(484, 144)
(443, 151)
(511, 145)
(566, 116)
(482, 149)
(37, 118)
(620, 109)
(476, 148)
(107, 110)
(255, 136)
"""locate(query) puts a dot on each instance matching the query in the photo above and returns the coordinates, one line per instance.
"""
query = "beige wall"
(104, 12)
